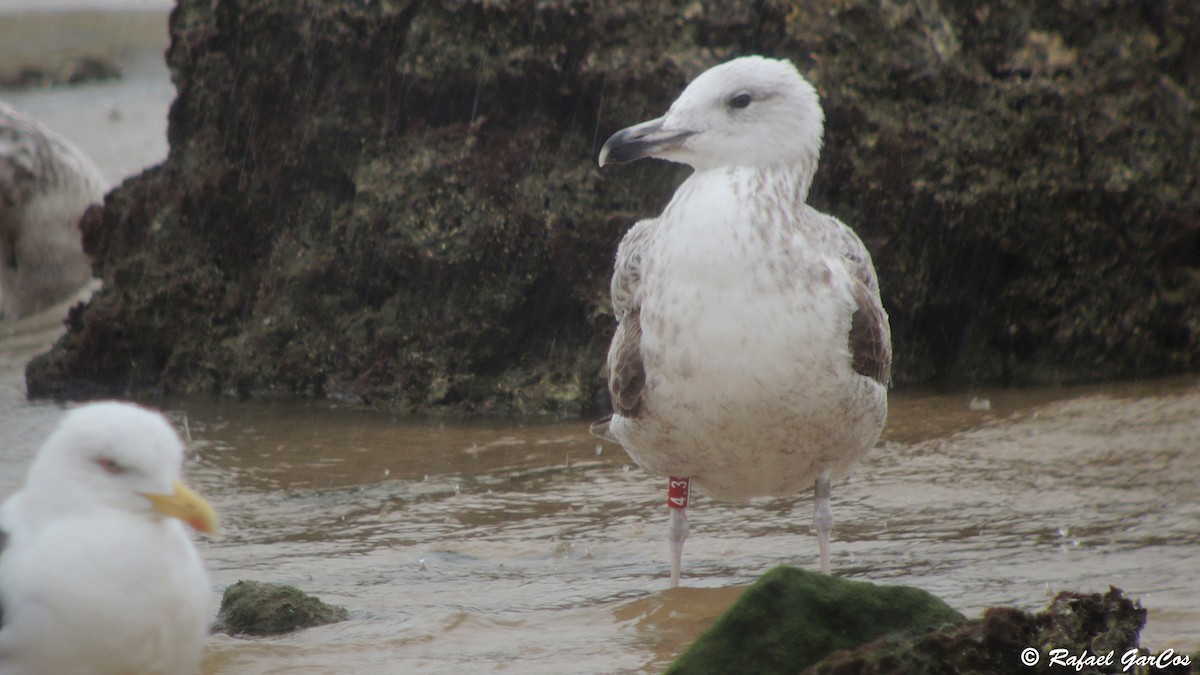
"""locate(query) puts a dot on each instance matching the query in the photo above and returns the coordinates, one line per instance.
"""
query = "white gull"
(45, 186)
(97, 574)
(752, 352)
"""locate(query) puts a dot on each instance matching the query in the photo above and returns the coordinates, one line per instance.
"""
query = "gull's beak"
(186, 506)
(647, 139)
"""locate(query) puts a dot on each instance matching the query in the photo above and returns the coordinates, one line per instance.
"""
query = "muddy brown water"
(464, 545)
(485, 545)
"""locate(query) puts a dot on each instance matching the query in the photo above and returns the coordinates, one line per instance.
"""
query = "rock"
(791, 618)
(398, 203)
(1080, 624)
(75, 70)
(796, 621)
(261, 608)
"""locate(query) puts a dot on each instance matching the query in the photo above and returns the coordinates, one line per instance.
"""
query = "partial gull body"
(752, 352)
(45, 186)
(97, 573)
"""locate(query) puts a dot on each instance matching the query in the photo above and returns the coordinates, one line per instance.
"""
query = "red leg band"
(678, 491)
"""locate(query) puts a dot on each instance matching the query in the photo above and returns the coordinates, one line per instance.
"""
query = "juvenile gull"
(752, 352)
(97, 574)
(45, 186)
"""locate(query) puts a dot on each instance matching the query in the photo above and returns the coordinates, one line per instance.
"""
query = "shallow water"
(466, 545)
(489, 546)
(121, 124)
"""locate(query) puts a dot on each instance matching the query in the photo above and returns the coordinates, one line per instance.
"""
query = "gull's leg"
(677, 530)
(823, 518)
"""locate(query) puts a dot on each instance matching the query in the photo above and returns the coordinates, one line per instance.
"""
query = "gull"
(752, 352)
(45, 186)
(97, 573)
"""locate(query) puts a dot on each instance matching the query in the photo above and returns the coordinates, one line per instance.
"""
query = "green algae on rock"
(791, 618)
(262, 608)
(796, 621)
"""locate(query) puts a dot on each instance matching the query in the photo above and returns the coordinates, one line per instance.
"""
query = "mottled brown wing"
(870, 336)
(25, 148)
(870, 339)
(32, 159)
(626, 373)
(626, 285)
(17, 151)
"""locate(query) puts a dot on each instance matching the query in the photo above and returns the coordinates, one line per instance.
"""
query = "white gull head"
(751, 111)
(113, 455)
(97, 573)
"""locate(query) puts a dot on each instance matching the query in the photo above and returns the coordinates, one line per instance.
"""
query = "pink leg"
(823, 518)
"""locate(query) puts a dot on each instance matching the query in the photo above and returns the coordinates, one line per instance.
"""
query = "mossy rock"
(792, 621)
(997, 642)
(422, 225)
(262, 608)
(791, 618)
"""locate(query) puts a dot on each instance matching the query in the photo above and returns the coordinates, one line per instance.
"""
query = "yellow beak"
(186, 506)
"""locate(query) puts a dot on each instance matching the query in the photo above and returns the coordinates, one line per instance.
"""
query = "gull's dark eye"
(110, 465)
(740, 101)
